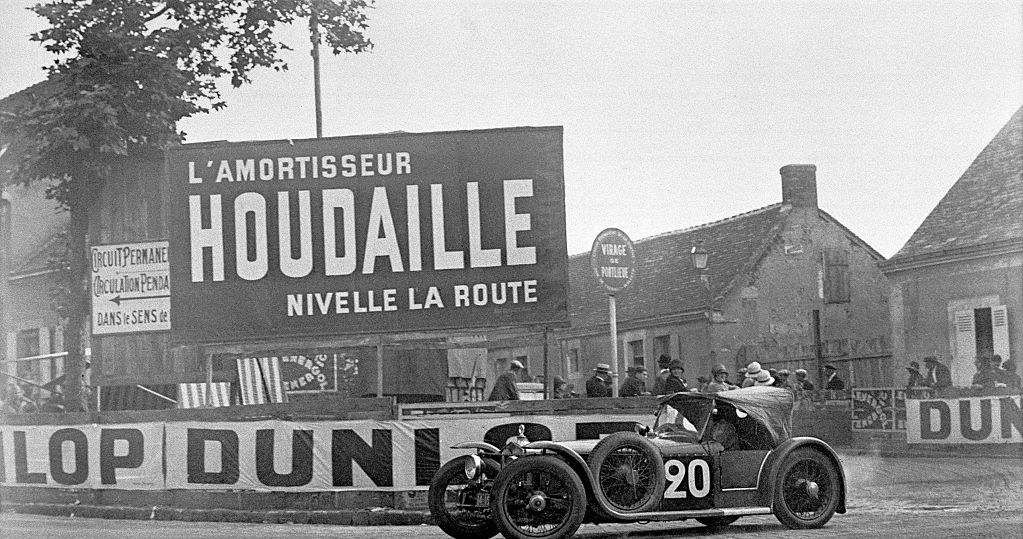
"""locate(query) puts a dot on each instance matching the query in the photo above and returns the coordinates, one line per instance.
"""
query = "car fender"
(484, 446)
(770, 469)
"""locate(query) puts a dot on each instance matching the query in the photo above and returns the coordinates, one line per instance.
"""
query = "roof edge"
(898, 264)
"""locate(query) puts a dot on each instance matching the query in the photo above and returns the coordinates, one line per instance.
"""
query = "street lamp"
(699, 256)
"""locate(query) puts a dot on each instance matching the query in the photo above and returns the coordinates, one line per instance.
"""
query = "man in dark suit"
(938, 376)
(635, 384)
(831, 380)
(600, 384)
(505, 388)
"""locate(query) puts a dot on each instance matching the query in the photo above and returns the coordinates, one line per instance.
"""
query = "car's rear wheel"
(629, 471)
(716, 522)
(538, 497)
(807, 489)
(459, 506)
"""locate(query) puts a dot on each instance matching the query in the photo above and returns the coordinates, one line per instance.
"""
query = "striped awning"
(259, 380)
(194, 395)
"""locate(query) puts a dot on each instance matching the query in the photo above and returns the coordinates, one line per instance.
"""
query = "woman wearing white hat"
(752, 370)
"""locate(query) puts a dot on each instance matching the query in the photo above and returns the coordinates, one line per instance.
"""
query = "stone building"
(31, 237)
(771, 273)
(957, 284)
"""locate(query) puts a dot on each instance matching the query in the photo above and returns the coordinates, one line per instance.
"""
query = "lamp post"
(699, 257)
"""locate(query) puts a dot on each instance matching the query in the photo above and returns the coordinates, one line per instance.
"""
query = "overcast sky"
(675, 114)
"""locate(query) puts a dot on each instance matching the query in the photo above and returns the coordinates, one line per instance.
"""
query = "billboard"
(367, 234)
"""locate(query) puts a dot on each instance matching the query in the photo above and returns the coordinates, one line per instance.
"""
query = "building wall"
(924, 302)
(769, 317)
(25, 305)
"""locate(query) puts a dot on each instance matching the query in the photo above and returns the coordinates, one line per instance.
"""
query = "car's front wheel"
(629, 471)
(807, 489)
(538, 497)
(459, 506)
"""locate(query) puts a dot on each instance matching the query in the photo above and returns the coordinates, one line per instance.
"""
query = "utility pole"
(314, 36)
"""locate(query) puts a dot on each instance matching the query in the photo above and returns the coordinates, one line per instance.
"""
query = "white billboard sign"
(130, 288)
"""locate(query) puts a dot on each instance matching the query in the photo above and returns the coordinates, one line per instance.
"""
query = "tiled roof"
(666, 282)
(984, 206)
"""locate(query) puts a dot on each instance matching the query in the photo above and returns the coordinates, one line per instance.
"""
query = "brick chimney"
(799, 185)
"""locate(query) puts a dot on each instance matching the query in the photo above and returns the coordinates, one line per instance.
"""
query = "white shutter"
(966, 349)
(1000, 330)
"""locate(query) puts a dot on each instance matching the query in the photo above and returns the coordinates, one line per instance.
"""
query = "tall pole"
(547, 393)
(613, 310)
(817, 352)
(314, 36)
(5, 253)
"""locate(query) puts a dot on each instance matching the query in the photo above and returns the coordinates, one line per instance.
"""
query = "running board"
(697, 513)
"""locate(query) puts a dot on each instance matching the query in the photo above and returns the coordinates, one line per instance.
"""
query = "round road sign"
(613, 259)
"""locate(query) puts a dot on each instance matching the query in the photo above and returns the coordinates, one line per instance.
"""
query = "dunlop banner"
(975, 420)
(126, 456)
(367, 234)
(267, 455)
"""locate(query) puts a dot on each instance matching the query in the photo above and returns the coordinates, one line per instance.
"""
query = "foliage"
(128, 70)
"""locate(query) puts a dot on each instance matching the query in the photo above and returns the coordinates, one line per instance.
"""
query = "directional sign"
(130, 288)
(613, 259)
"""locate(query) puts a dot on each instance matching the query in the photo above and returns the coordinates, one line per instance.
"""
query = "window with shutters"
(981, 332)
(836, 276)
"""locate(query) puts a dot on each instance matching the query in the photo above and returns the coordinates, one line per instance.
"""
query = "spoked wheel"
(459, 506)
(807, 489)
(538, 497)
(629, 471)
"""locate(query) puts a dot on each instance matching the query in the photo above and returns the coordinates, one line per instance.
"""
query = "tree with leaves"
(125, 72)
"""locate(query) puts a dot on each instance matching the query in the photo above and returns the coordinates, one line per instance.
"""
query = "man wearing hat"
(831, 380)
(938, 376)
(989, 373)
(600, 384)
(915, 378)
(635, 384)
(662, 375)
(505, 388)
(782, 380)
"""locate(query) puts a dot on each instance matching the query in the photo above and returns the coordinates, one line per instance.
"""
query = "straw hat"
(763, 378)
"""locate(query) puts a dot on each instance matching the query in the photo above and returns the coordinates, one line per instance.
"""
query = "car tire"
(629, 471)
(538, 497)
(473, 523)
(807, 489)
(716, 522)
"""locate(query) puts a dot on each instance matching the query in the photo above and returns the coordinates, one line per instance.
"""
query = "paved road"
(888, 497)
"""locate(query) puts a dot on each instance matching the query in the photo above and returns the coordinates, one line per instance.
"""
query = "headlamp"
(473, 465)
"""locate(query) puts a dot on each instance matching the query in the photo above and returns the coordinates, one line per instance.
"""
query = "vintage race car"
(710, 457)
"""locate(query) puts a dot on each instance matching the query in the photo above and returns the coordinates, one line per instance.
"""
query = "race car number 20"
(684, 481)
